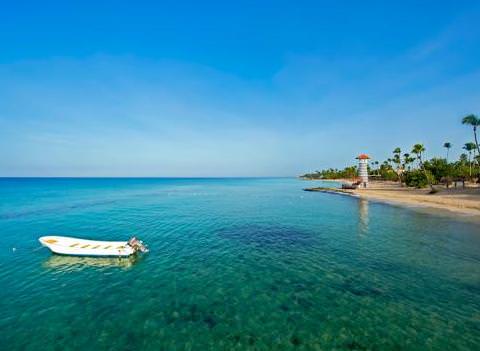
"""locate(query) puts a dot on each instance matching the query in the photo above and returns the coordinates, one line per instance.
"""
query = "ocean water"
(235, 264)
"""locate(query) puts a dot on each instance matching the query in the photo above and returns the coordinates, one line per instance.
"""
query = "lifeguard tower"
(363, 169)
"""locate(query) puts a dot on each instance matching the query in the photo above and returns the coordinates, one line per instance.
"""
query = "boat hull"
(69, 246)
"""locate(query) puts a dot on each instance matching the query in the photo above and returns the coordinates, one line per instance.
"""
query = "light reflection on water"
(363, 215)
(74, 263)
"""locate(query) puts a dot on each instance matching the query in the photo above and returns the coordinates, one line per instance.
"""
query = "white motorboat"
(64, 245)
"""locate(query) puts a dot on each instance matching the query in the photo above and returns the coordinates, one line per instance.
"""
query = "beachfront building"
(363, 169)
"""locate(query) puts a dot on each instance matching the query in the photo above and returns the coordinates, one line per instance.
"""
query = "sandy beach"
(463, 201)
(466, 201)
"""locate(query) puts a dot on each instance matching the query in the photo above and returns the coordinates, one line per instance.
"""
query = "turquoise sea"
(235, 264)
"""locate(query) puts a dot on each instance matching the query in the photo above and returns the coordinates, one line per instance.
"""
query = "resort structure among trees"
(412, 168)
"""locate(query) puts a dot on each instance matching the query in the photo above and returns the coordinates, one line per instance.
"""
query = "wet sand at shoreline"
(460, 200)
(466, 201)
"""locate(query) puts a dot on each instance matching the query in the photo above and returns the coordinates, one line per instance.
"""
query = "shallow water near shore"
(235, 264)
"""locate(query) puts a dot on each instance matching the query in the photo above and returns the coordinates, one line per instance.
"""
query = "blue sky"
(247, 88)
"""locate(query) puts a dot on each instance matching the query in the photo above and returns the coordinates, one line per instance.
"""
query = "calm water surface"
(235, 264)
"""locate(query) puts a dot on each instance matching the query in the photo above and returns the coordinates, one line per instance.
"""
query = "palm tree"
(406, 160)
(397, 160)
(447, 146)
(473, 121)
(469, 147)
(419, 149)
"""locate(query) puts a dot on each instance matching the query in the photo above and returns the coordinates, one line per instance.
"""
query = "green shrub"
(386, 172)
(416, 179)
(439, 169)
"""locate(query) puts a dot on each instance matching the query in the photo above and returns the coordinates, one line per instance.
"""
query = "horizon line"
(143, 177)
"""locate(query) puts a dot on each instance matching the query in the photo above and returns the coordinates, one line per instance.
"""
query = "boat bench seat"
(53, 241)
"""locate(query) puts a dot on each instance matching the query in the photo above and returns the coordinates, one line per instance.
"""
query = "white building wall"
(363, 171)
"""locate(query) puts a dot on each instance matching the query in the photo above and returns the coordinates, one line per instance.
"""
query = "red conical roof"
(363, 157)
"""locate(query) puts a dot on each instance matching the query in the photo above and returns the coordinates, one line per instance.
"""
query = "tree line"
(412, 169)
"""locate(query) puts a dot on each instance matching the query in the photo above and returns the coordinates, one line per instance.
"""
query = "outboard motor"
(137, 245)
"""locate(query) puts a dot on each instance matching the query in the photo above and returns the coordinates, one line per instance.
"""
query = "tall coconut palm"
(469, 147)
(418, 150)
(406, 160)
(473, 121)
(397, 160)
(447, 146)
